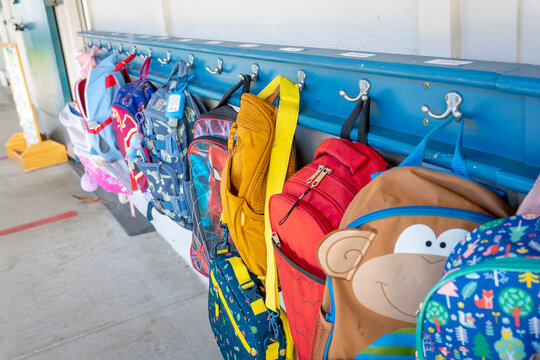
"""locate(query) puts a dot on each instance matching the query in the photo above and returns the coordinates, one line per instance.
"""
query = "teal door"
(47, 69)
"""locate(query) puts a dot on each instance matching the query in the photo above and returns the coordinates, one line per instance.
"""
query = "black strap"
(360, 110)
(245, 82)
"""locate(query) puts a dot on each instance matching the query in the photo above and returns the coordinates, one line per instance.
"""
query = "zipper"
(278, 246)
(228, 310)
(312, 182)
(323, 223)
(423, 211)
(512, 264)
(325, 195)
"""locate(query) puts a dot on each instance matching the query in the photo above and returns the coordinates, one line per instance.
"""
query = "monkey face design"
(389, 275)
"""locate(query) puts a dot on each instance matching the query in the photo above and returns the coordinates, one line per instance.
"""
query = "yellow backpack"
(261, 160)
(246, 173)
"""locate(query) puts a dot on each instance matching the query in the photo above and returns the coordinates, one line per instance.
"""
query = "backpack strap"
(244, 83)
(145, 67)
(287, 118)
(119, 76)
(361, 110)
(458, 161)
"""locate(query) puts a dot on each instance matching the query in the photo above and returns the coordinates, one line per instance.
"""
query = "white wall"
(498, 30)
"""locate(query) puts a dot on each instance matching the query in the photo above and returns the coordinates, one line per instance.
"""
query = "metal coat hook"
(109, 46)
(120, 49)
(453, 102)
(216, 70)
(133, 50)
(191, 62)
(364, 86)
(166, 60)
(301, 77)
(90, 43)
(147, 56)
(254, 73)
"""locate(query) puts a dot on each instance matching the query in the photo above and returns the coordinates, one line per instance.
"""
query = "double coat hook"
(453, 102)
(364, 86)
(254, 73)
(218, 69)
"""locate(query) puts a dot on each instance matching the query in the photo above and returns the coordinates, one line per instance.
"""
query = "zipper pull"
(317, 172)
(419, 309)
(282, 221)
(325, 171)
(276, 239)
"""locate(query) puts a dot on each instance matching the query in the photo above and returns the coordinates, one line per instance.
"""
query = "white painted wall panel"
(490, 30)
(529, 44)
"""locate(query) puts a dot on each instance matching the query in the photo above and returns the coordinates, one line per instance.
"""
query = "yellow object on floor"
(37, 156)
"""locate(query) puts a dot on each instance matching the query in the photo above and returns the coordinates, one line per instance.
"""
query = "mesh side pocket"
(321, 333)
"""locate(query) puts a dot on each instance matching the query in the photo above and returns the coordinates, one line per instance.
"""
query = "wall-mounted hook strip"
(453, 102)
(216, 70)
(301, 79)
(191, 62)
(364, 86)
(147, 56)
(254, 73)
(166, 60)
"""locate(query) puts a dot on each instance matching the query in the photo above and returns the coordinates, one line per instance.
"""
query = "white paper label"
(293, 49)
(248, 45)
(145, 36)
(449, 62)
(164, 37)
(214, 42)
(357, 54)
(185, 40)
(173, 103)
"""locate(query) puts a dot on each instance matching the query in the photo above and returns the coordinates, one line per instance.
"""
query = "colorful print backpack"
(167, 135)
(207, 156)
(487, 306)
(127, 114)
(242, 325)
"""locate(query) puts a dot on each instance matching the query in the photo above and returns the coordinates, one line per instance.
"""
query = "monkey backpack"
(486, 306)
(390, 250)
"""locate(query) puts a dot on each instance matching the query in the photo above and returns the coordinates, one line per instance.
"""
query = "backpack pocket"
(321, 335)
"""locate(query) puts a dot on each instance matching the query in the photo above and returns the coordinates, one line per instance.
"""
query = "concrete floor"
(80, 288)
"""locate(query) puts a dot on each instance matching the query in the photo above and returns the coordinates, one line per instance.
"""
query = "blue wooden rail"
(501, 101)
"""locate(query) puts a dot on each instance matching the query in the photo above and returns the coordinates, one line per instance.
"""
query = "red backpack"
(311, 205)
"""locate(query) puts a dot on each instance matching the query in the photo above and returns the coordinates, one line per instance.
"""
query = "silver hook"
(218, 69)
(120, 49)
(301, 77)
(147, 56)
(166, 60)
(191, 61)
(90, 43)
(133, 50)
(254, 73)
(109, 47)
(453, 102)
(364, 86)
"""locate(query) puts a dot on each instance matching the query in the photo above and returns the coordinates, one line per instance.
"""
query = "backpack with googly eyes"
(390, 250)
(487, 304)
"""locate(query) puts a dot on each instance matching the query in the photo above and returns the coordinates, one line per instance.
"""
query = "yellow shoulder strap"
(287, 118)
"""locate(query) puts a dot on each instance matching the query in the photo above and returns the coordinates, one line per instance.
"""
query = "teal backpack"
(487, 304)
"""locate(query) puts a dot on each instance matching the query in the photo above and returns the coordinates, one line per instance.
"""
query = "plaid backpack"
(168, 130)
(207, 157)
(127, 112)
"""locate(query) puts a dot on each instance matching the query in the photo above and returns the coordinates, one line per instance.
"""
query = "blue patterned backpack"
(487, 304)
(243, 327)
(167, 135)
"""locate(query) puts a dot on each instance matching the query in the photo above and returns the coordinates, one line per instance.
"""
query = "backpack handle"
(245, 83)
(458, 161)
(122, 64)
(145, 66)
(120, 75)
(361, 111)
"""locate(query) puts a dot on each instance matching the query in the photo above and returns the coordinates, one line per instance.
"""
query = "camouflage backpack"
(167, 128)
